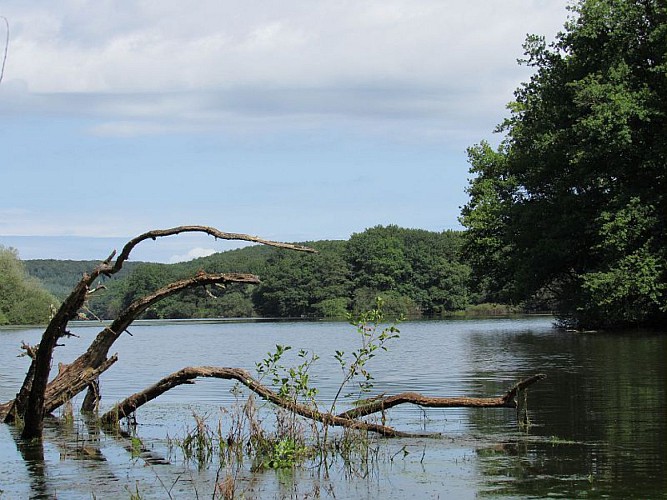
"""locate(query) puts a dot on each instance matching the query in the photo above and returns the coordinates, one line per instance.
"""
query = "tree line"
(417, 272)
(23, 299)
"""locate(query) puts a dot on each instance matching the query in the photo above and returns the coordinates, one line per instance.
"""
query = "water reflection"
(32, 453)
(598, 421)
(600, 418)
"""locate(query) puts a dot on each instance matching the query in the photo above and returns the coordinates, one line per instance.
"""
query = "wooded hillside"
(23, 299)
(417, 272)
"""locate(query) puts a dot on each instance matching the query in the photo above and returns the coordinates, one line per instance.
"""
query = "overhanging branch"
(34, 402)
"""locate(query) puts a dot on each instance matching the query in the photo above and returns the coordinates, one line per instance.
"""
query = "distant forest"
(418, 273)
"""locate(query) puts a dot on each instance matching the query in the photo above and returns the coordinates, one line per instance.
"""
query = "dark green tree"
(144, 280)
(378, 260)
(414, 271)
(305, 285)
(571, 206)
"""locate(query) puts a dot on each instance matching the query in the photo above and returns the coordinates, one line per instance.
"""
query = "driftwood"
(37, 396)
(508, 400)
(347, 419)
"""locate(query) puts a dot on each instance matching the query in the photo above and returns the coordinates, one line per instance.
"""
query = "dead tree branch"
(187, 375)
(78, 375)
(506, 401)
(347, 419)
(75, 377)
(34, 402)
(159, 233)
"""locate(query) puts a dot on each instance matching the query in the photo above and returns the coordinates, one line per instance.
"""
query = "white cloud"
(195, 253)
(250, 89)
(169, 66)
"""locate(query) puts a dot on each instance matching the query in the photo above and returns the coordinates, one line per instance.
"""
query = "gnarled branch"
(159, 233)
(34, 401)
(187, 375)
(69, 383)
(347, 419)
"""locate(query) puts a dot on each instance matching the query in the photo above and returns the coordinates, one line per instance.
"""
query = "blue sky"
(291, 120)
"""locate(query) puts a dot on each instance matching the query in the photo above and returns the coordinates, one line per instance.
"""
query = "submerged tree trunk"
(33, 415)
(508, 400)
(346, 419)
(38, 396)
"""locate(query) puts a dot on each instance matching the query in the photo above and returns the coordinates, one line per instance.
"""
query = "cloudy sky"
(294, 120)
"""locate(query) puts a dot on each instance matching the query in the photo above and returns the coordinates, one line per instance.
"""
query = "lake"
(597, 422)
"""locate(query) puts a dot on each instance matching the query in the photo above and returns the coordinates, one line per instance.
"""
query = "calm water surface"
(598, 422)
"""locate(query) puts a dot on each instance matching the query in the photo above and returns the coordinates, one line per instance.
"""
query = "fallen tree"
(38, 397)
(347, 419)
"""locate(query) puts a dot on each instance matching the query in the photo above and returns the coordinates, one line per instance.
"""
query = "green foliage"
(286, 453)
(234, 303)
(571, 206)
(632, 289)
(289, 443)
(490, 309)
(335, 308)
(287, 447)
(296, 284)
(198, 443)
(60, 276)
(23, 300)
(144, 280)
(373, 335)
(486, 248)
(292, 382)
(395, 304)
(416, 272)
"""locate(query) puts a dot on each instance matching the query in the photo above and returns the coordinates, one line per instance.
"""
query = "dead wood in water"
(187, 375)
(39, 396)
(346, 419)
(508, 400)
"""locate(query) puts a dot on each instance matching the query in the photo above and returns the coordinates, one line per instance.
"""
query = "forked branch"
(33, 403)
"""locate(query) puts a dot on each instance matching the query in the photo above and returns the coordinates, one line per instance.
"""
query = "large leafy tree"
(572, 204)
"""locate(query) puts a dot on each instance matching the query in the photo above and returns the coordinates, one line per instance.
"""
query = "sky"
(296, 120)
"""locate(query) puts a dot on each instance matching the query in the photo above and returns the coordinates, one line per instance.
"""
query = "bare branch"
(187, 375)
(57, 327)
(159, 233)
(68, 383)
(384, 403)
(347, 419)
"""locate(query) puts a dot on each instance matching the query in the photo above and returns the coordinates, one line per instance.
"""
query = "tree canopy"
(571, 206)
(23, 300)
(416, 272)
